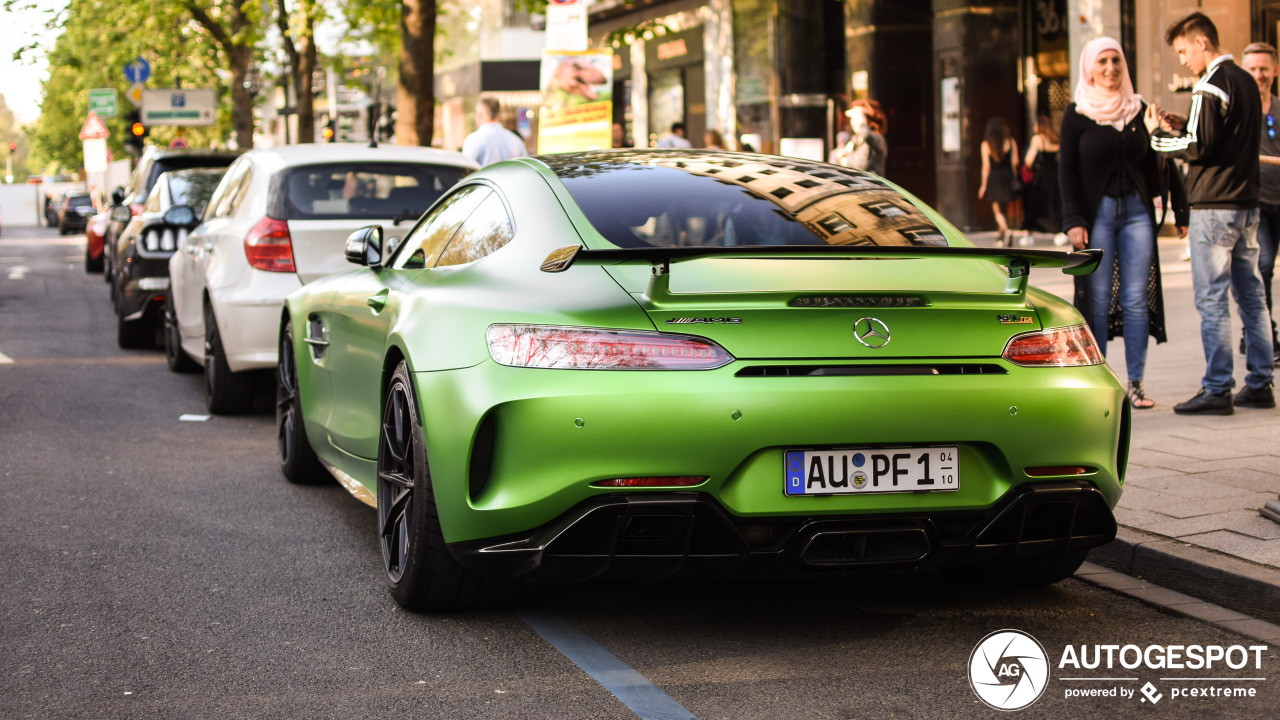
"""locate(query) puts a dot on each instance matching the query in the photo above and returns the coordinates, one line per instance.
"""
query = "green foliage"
(98, 38)
(11, 133)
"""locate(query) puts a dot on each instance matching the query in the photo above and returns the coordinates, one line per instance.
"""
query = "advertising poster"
(577, 101)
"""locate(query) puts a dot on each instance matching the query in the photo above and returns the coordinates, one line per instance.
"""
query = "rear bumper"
(659, 536)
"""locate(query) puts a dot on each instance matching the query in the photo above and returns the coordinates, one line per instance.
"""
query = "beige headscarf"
(1105, 107)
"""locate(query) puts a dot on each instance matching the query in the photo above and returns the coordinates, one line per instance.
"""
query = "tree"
(415, 95)
(235, 26)
(302, 58)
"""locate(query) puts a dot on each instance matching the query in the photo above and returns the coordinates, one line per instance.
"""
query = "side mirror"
(121, 213)
(180, 215)
(364, 246)
(117, 196)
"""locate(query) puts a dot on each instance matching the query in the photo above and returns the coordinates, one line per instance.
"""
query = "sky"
(20, 81)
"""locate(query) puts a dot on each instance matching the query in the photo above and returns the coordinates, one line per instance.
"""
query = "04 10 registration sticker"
(872, 470)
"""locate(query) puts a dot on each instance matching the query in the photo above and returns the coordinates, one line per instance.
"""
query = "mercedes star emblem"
(871, 332)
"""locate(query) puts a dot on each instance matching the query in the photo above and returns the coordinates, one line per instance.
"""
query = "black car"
(139, 273)
(73, 215)
(154, 163)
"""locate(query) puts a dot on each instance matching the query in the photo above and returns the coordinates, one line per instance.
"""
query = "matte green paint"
(683, 423)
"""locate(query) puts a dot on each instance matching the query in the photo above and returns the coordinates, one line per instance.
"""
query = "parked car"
(140, 267)
(657, 362)
(52, 205)
(94, 247)
(74, 212)
(278, 220)
(154, 163)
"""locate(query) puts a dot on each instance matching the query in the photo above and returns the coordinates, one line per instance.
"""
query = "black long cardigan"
(1089, 156)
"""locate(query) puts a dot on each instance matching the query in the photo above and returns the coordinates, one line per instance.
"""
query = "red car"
(93, 232)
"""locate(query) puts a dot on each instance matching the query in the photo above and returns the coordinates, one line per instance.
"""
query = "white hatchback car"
(278, 220)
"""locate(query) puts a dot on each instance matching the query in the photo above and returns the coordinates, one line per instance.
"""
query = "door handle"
(378, 300)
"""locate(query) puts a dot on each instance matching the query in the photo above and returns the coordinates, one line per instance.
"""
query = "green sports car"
(644, 363)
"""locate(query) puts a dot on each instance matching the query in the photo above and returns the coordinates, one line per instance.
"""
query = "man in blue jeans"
(1220, 143)
(1260, 61)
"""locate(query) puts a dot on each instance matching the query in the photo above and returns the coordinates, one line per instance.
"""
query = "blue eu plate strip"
(795, 472)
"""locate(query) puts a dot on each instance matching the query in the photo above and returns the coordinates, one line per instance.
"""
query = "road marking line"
(637, 693)
(5, 359)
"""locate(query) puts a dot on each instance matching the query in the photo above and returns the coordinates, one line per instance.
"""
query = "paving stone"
(1193, 508)
(1135, 518)
(1191, 447)
(1210, 612)
(1155, 458)
(1232, 543)
(1234, 520)
(1245, 478)
(1237, 441)
(1257, 629)
(1136, 473)
(1199, 486)
(1161, 596)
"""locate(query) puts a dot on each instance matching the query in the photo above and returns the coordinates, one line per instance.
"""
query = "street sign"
(137, 71)
(134, 94)
(566, 27)
(103, 102)
(93, 128)
(179, 106)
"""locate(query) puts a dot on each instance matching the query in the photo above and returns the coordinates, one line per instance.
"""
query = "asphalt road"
(154, 568)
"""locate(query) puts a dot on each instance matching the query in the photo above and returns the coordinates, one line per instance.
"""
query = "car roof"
(284, 156)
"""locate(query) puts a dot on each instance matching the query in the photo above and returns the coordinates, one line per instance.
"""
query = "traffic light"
(134, 131)
(13, 147)
(330, 133)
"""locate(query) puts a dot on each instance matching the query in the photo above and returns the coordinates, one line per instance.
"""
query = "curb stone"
(1205, 574)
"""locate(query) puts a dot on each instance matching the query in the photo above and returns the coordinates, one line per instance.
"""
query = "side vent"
(481, 458)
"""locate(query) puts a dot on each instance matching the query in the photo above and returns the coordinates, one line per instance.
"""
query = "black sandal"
(1137, 398)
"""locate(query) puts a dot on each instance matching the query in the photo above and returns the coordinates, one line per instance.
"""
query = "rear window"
(79, 201)
(705, 199)
(356, 190)
(183, 162)
(193, 187)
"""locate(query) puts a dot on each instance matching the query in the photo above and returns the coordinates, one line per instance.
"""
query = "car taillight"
(136, 208)
(1060, 347)
(268, 247)
(547, 346)
(663, 481)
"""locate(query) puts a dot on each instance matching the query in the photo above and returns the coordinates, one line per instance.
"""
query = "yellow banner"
(577, 101)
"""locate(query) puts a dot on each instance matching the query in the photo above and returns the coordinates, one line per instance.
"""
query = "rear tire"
(135, 334)
(174, 356)
(92, 264)
(225, 392)
(298, 462)
(422, 573)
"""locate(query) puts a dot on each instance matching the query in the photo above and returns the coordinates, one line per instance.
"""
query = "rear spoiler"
(1019, 261)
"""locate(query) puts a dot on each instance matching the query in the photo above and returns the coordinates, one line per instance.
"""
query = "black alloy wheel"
(298, 461)
(225, 392)
(177, 360)
(422, 573)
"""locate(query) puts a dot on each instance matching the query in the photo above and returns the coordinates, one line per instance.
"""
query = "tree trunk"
(241, 100)
(415, 96)
(305, 73)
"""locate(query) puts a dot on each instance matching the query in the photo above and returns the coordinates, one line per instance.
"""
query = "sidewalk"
(1189, 514)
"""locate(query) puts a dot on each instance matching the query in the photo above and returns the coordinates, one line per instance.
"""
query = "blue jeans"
(1224, 259)
(1122, 230)
(1268, 241)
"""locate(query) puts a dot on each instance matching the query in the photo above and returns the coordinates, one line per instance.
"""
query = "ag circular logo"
(1008, 670)
(871, 332)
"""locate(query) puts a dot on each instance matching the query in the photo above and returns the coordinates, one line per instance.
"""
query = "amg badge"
(1016, 320)
(705, 321)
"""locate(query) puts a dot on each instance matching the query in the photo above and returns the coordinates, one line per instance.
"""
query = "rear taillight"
(268, 247)
(546, 346)
(663, 481)
(1060, 347)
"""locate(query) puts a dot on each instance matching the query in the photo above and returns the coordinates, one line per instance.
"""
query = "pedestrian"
(1108, 175)
(714, 140)
(676, 138)
(1000, 182)
(491, 142)
(866, 149)
(1259, 60)
(1044, 200)
(1219, 142)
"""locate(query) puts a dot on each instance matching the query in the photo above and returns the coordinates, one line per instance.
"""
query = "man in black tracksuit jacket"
(1220, 144)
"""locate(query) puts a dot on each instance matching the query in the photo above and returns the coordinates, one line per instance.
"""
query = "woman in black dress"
(1044, 200)
(999, 163)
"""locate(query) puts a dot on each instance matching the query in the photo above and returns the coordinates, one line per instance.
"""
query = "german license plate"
(853, 471)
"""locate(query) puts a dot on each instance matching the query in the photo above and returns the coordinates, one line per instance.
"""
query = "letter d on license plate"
(853, 471)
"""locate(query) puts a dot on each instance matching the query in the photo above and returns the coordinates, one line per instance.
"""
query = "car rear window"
(79, 201)
(354, 190)
(194, 187)
(183, 162)
(708, 199)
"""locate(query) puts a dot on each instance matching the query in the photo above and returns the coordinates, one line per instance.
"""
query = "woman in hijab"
(1108, 176)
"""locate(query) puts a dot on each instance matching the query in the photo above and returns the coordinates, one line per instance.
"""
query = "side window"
(220, 203)
(422, 248)
(153, 200)
(487, 229)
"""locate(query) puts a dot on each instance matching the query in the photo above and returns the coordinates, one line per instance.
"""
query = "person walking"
(1259, 60)
(676, 138)
(491, 142)
(1044, 199)
(866, 149)
(1000, 182)
(713, 140)
(1108, 175)
(1219, 142)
